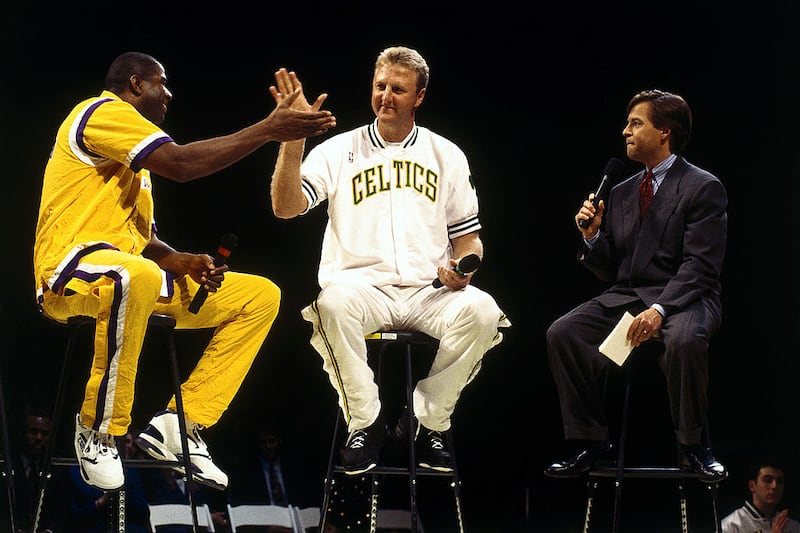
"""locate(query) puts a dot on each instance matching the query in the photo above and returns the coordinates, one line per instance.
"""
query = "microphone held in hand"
(468, 263)
(612, 172)
(226, 246)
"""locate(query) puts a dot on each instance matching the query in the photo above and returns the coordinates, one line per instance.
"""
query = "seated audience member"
(761, 512)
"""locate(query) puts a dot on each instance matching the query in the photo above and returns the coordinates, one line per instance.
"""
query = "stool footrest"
(651, 472)
(140, 463)
(398, 470)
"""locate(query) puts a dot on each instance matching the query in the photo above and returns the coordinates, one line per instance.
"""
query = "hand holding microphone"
(226, 246)
(612, 172)
(468, 263)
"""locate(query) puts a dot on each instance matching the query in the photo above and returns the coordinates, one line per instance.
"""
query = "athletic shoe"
(360, 452)
(432, 452)
(98, 458)
(161, 439)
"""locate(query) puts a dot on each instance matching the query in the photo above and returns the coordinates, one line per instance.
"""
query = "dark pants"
(578, 366)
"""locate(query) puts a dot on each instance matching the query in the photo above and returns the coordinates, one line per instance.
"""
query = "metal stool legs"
(621, 471)
(407, 339)
(81, 325)
(8, 461)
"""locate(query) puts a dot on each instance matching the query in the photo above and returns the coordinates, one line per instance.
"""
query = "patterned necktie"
(645, 192)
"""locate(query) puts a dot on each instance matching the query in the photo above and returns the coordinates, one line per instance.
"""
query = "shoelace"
(357, 440)
(436, 440)
(99, 444)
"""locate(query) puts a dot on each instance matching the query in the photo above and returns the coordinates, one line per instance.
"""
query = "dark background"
(535, 95)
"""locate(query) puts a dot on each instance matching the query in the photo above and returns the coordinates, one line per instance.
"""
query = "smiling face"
(395, 100)
(153, 95)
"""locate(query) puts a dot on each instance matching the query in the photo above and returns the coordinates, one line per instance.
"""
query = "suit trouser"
(578, 367)
(121, 291)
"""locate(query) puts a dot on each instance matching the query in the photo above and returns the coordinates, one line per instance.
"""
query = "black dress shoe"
(581, 461)
(700, 460)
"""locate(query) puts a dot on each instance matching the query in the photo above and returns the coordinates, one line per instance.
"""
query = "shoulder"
(693, 180)
(437, 139)
(692, 171)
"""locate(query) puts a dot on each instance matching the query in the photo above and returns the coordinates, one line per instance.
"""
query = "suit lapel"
(661, 209)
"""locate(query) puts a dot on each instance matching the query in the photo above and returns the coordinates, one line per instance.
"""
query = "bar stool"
(622, 470)
(405, 340)
(7, 460)
(84, 325)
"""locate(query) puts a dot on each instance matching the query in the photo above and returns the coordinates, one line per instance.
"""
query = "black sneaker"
(360, 452)
(432, 452)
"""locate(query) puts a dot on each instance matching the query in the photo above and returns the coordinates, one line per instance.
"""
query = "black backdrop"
(535, 96)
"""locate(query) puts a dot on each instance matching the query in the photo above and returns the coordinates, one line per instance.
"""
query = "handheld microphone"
(226, 246)
(613, 171)
(468, 263)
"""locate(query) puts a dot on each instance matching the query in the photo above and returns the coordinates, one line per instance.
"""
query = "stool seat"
(79, 325)
(155, 320)
(406, 339)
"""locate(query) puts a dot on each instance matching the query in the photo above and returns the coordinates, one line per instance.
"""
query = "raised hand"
(286, 84)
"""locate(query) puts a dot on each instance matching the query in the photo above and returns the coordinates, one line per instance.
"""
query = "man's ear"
(135, 85)
(420, 97)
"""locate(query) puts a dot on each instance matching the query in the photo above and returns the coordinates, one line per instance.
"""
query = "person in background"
(37, 423)
(402, 214)
(272, 471)
(97, 253)
(90, 506)
(761, 513)
(659, 243)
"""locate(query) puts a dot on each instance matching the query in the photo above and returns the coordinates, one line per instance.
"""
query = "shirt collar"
(660, 170)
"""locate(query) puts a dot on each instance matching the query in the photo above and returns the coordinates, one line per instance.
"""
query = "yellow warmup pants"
(121, 291)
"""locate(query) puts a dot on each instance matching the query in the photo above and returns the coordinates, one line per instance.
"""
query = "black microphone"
(614, 169)
(226, 246)
(468, 263)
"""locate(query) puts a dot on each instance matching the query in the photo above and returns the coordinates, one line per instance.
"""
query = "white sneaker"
(98, 458)
(161, 439)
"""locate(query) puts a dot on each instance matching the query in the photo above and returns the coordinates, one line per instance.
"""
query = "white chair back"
(307, 517)
(179, 514)
(260, 515)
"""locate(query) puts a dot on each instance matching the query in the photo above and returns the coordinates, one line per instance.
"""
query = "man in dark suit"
(272, 471)
(36, 431)
(659, 241)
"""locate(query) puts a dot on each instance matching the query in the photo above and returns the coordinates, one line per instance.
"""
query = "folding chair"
(260, 515)
(179, 514)
(306, 517)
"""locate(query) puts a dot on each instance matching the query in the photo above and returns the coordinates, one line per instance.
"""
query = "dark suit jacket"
(248, 484)
(674, 256)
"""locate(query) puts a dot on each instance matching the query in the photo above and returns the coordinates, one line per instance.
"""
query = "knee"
(557, 330)
(484, 314)
(335, 300)
(266, 294)
(686, 346)
(146, 276)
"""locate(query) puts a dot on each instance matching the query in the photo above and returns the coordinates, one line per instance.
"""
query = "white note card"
(617, 347)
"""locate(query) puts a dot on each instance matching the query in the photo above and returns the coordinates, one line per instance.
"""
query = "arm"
(464, 245)
(200, 267)
(286, 192)
(194, 160)
(288, 200)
